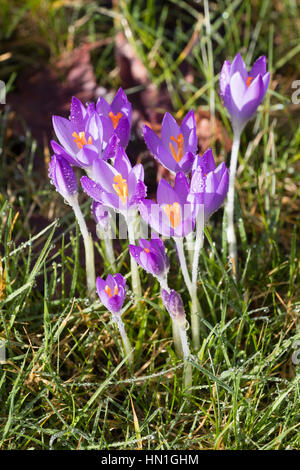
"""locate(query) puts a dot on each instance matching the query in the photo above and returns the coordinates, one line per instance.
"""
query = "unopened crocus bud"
(63, 178)
(112, 292)
(174, 305)
(151, 256)
(101, 216)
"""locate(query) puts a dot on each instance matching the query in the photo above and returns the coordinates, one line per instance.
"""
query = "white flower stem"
(231, 238)
(175, 329)
(109, 249)
(135, 277)
(195, 306)
(125, 339)
(89, 249)
(188, 378)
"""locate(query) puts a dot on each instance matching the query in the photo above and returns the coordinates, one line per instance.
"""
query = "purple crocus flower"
(209, 185)
(173, 215)
(176, 148)
(116, 117)
(63, 178)
(119, 186)
(151, 256)
(242, 92)
(112, 292)
(174, 305)
(82, 136)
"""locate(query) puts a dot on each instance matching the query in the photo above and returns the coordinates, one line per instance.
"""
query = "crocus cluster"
(94, 139)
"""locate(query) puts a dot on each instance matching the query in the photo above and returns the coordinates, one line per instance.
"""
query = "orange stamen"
(115, 118)
(108, 291)
(179, 141)
(80, 139)
(173, 212)
(146, 250)
(121, 188)
(249, 80)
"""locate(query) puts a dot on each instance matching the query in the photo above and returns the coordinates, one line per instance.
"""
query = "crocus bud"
(242, 92)
(174, 305)
(101, 216)
(112, 292)
(151, 256)
(63, 178)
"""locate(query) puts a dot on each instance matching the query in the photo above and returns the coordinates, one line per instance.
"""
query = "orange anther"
(173, 212)
(249, 80)
(107, 289)
(115, 118)
(121, 187)
(80, 139)
(179, 141)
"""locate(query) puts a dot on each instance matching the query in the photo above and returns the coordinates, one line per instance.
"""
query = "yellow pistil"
(179, 141)
(121, 188)
(115, 118)
(108, 291)
(80, 139)
(173, 212)
(249, 80)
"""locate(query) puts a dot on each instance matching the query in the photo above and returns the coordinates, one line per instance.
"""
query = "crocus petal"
(238, 89)
(165, 193)
(238, 65)
(91, 188)
(206, 161)
(181, 187)
(151, 138)
(123, 131)
(225, 77)
(86, 155)
(188, 130)
(252, 98)
(63, 177)
(122, 163)
(259, 67)
(77, 115)
(121, 104)
(169, 128)
(186, 163)
(111, 148)
(63, 129)
(104, 174)
(58, 150)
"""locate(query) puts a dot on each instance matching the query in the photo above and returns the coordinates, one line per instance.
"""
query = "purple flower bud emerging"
(63, 177)
(174, 305)
(101, 215)
(112, 292)
(151, 256)
(177, 146)
(242, 92)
